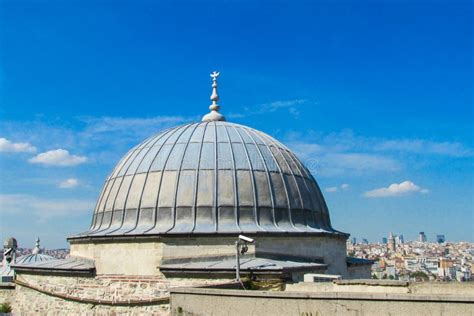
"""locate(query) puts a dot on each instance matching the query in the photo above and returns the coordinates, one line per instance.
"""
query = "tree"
(5, 308)
(419, 275)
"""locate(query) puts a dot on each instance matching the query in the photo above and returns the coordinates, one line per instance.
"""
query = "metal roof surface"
(68, 264)
(33, 258)
(209, 177)
(246, 264)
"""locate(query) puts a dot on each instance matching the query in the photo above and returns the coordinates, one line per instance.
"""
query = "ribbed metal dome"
(33, 258)
(209, 177)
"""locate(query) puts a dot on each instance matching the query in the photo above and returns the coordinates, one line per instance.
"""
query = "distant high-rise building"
(402, 240)
(391, 242)
(354, 240)
(440, 239)
(384, 240)
(422, 237)
(365, 241)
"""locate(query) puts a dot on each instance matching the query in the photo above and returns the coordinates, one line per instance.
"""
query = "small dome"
(33, 258)
(209, 177)
(10, 243)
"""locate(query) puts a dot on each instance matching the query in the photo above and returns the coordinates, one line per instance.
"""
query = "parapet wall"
(208, 301)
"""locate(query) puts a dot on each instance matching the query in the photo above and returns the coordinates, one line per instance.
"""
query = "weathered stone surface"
(31, 302)
(100, 295)
(7, 292)
(144, 256)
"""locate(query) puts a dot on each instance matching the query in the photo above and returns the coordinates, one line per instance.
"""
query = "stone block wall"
(101, 295)
(332, 250)
(143, 256)
(359, 271)
(7, 293)
(126, 257)
(101, 287)
(31, 302)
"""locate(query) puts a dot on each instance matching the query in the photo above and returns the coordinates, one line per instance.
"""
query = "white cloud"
(345, 186)
(277, 105)
(363, 161)
(292, 106)
(345, 153)
(396, 189)
(342, 187)
(335, 164)
(69, 183)
(8, 146)
(58, 157)
(126, 125)
(420, 146)
(43, 208)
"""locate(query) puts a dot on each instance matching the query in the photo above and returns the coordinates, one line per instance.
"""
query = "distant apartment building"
(440, 239)
(391, 242)
(422, 237)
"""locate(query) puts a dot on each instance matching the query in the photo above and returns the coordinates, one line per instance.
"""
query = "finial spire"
(37, 248)
(214, 115)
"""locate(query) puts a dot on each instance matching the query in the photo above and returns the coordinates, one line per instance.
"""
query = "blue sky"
(375, 97)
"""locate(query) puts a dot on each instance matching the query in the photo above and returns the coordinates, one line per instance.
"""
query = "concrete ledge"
(328, 295)
(7, 286)
(370, 282)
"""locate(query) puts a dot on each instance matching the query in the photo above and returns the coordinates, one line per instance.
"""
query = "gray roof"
(8, 270)
(71, 264)
(253, 264)
(209, 177)
(33, 258)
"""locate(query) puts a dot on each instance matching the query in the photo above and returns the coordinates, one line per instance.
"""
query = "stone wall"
(207, 301)
(100, 295)
(385, 286)
(31, 302)
(332, 250)
(362, 271)
(126, 257)
(7, 292)
(143, 256)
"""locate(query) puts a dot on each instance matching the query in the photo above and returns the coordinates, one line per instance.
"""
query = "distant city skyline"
(376, 100)
(434, 239)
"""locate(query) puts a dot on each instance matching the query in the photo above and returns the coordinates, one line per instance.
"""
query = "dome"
(10, 243)
(209, 177)
(33, 258)
(206, 178)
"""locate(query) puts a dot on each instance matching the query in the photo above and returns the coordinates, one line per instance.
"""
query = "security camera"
(246, 239)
